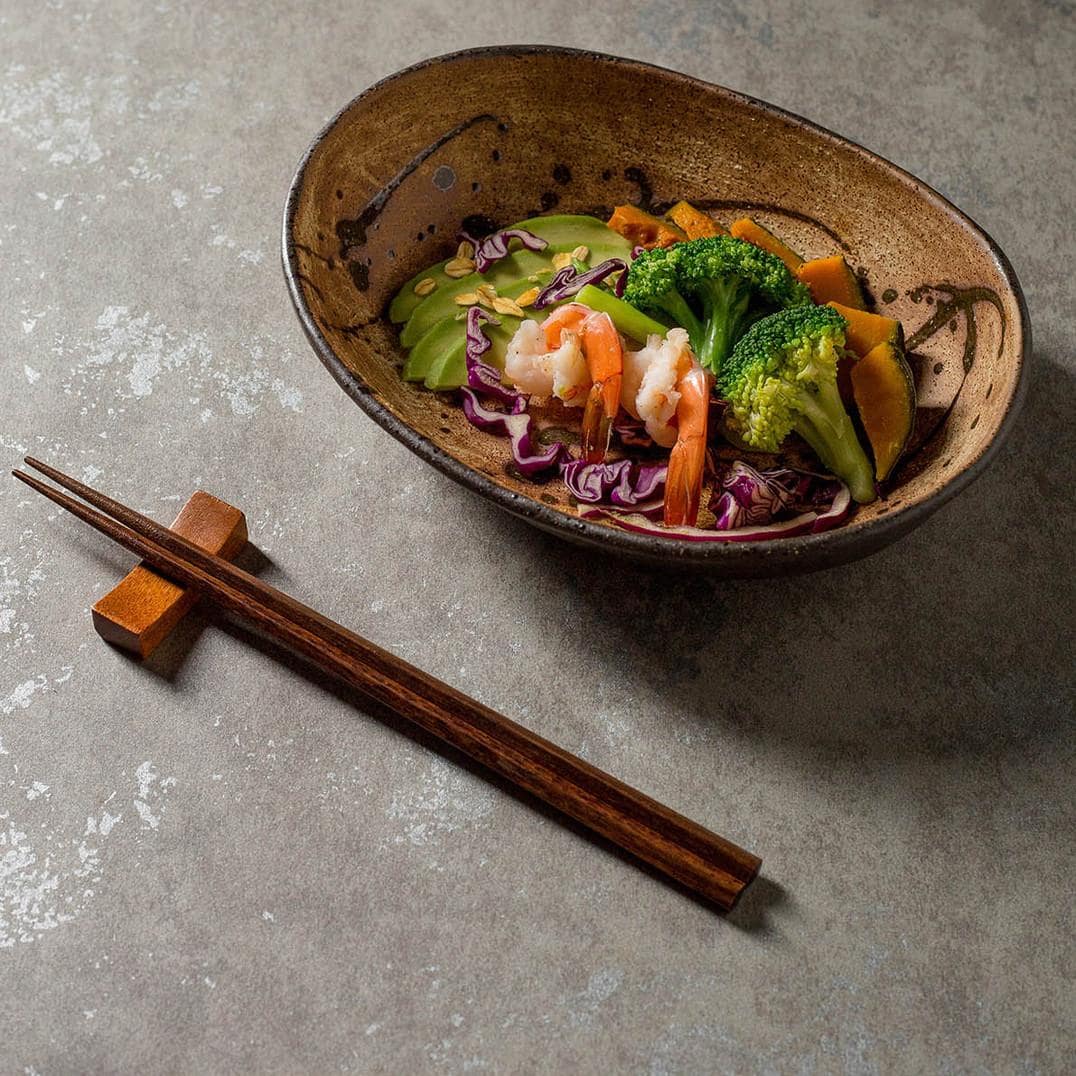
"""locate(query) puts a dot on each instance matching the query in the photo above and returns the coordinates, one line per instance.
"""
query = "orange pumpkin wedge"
(832, 280)
(693, 222)
(750, 232)
(884, 391)
(644, 229)
(866, 331)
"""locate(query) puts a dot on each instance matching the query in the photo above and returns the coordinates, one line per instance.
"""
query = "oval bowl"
(385, 186)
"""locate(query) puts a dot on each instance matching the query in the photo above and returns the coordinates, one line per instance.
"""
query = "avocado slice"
(450, 371)
(442, 303)
(449, 336)
(563, 232)
(446, 335)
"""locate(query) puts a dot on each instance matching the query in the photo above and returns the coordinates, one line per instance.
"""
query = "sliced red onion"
(624, 484)
(489, 251)
(568, 281)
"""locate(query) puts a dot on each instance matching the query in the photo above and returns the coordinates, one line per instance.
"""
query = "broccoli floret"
(653, 284)
(782, 377)
(714, 287)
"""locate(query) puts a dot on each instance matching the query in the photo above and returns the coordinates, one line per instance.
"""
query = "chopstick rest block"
(138, 613)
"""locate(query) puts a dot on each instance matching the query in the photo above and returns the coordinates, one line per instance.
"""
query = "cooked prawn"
(687, 461)
(605, 363)
(559, 370)
(649, 390)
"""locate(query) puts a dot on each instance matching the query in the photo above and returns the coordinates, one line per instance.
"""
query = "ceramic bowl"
(476, 138)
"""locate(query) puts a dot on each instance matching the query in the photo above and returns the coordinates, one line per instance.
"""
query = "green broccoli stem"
(824, 424)
(725, 301)
(675, 305)
(626, 318)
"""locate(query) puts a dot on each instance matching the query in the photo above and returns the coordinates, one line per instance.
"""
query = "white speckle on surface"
(289, 397)
(32, 375)
(268, 917)
(440, 800)
(54, 115)
(601, 986)
(20, 697)
(179, 199)
(152, 353)
(49, 871)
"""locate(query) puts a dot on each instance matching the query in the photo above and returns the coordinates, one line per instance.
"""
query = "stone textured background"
(215, 864)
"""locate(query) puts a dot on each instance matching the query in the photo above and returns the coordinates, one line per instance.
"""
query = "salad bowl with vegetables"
(694, 329)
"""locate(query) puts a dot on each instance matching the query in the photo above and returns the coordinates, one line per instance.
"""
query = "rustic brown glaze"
(465, 138)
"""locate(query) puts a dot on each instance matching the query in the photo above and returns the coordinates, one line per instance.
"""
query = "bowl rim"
(802, 552)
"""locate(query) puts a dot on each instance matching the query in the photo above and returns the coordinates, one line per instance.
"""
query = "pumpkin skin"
(832, 280)
(866, 331)
(694, 223)
(750, 232)
(644, 229)
(884, 390)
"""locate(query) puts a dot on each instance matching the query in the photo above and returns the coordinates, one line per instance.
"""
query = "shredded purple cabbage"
(753, 506)
(568, 281)
(489, 251)
(480, 374)
(631, 431)
(625, 484)
(753, 498)
(515, 424)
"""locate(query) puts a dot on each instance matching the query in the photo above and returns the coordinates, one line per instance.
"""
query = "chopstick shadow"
(751, 911)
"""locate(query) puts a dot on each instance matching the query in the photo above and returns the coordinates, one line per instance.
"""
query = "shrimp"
(649, 390)
(687, 461)
(605, 363)
(558, 370)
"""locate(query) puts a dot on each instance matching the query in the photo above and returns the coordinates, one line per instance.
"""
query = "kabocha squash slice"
(694, 223)
(866, 331)
(884, 392)
(751, 232)
(644, 229)
(832, 280)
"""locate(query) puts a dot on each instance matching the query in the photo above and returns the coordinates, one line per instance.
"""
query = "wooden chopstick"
(709, 865)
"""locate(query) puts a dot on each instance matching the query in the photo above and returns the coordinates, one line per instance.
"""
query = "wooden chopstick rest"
(138, 613)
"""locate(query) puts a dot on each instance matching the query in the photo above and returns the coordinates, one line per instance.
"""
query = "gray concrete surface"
(215, 864)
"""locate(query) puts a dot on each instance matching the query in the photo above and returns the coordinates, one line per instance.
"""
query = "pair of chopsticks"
(701, 861)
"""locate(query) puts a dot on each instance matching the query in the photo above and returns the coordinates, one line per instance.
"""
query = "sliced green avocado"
(435, 343)
(448, 336)
(562, 232)
(442, 303)
(450, 371)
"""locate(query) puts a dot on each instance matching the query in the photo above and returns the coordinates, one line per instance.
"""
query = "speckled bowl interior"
(385, 187)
